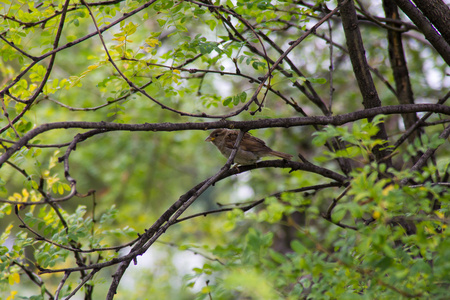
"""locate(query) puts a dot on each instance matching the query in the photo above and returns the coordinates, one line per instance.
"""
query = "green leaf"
(277, 257)
(243, 97)
(227, 101)
(212, 24)
(161, 22)
(236, 100)
(338, 214)
(298, 247)
(316, 80)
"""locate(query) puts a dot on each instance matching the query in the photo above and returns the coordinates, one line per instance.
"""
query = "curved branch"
(169, 217)
(40, 237)
(276, 64)
(78, 41)
(47, 72)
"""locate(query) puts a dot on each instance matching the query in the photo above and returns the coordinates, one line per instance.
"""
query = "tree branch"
(438, 12)
(361, 69)
(426, 27)
(169, 217)
(247, 125)
(399, 67)
(424, 158)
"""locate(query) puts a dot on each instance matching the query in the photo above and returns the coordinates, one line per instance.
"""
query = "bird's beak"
(209, 139)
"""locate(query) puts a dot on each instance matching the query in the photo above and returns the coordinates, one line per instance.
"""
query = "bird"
(250, 150)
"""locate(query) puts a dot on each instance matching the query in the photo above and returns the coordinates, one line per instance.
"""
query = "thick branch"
(172, 214)
(247, 125)
(438, 13)
(397, 58)
(169, 218)
(426, 27)
(361, 69)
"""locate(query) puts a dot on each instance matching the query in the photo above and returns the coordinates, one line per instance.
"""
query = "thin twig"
(83, 281)
(40, 237)
(34, 278)
(6, 114)
(260, 201)
(61, 284)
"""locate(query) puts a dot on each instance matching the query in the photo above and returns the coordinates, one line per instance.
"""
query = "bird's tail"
(281, 154)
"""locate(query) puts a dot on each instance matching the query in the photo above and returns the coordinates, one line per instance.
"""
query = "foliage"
(104, 168)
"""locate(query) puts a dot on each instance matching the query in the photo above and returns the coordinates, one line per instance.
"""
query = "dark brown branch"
(435, 123)
(6, 114)
(361, 69)
(168, 218)
(33, 58)
(265, 56)
(15, 98)
(376, 21)
(333, 204)
(196, 252)
(438, 13)
(223, 73)
(312, 95)
(426, 27)
(399, 67)
(344, 226)
(248, 125)
(157, 228)
(21, 171)
(327, 215)
(48, 199)
(343, 49)
(84, 279)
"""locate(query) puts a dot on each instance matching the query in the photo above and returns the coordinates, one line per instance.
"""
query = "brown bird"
(250, 150)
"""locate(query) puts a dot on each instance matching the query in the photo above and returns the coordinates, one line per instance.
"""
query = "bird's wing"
(253, 144)
(248, 143)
